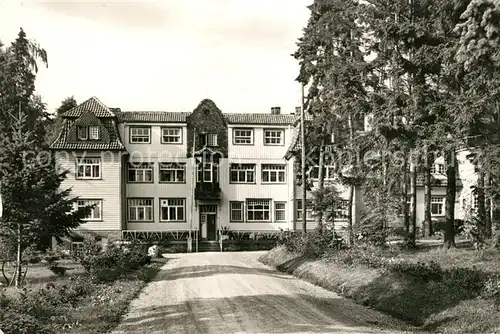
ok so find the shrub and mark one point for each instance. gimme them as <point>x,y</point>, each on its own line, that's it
<point>439,226</point>
<point>21,323</point>
<point>314,244</point>
<point>59,271</point>
<point>115,261</point>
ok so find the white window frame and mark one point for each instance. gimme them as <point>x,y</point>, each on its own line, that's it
<point>342,211</point>
<point>281,210</point>
<point>252,205</point>
<point>241,211</point>
<point>83,202</point>
<point>438,169</point>
<point>175,168</point>
<point>328,175</point>
<point>178,204</point>
<point>140,204</point>
<point>309,210</point>
<point>438,200</point>
<point>274,137</point>
<point>205,167</point>
<point>142,135</point>
<point>241,137</point>
<point>82,133</point>
<point>212,140</point>
<point>93,132</point>
<point>140,169</point>
<point>242,172</point>
<point>173,133</point>
<point>93,164</point>
<point>273,170</point>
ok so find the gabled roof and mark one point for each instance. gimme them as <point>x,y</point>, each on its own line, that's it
<point>94,105</point>
<point>281,119</point>
<point>181,117</point>
<point>295,144</point>
<point>152,116</point>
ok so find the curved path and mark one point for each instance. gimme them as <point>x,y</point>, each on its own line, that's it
<point>234,293</point>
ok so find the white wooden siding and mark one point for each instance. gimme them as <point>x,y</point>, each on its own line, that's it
<point>108,188</point>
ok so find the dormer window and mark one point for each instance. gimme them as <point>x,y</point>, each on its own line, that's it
<point>88,132</point>
<point>93,132</point>
<point>82,133</point>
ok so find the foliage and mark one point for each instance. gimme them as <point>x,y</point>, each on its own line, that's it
<point>115,261</point>
<point>314,244</point>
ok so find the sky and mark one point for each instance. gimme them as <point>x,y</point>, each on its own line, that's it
<point>165,54</point>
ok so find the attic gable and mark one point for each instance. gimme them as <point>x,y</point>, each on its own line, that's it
<point>93,105</point>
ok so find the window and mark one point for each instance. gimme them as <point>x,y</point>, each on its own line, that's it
<point>437,206</point>
<point>88,168</point>
<point>96,213</point>
<point>202,139</point>
<point>242,173</point>
<point>140,135</point>
<point>438,169</point>
<point>258,210</point>
<point>273,173</point>
<point>208,172</point>
<point>140,209</point>
<point>342,211</point>
<point>243,136</point>
<point>279,211</point>
<point>328,172</point>
<point>140,172</point>
<point>173,209</point>
<point>94,132</point>
<point>172,172</point>
<point>274,137</point>
<point>237,211</point>
<point>171,135</point>
<point>309,212</point>
<point>81,133</point>
<point>212,139</point>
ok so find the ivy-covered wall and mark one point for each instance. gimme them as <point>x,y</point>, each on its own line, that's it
<point>208,118</point>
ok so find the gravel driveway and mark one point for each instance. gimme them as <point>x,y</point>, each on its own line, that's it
<point>234,293</point>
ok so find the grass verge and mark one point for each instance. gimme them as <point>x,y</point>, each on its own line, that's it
<point>433,305</point>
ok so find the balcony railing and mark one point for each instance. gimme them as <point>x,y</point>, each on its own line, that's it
<point>207,191</point>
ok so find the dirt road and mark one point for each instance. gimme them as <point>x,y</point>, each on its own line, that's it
<point>234,293</point>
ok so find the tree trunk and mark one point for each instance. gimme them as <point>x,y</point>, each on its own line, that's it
<point>413,202</point>
<point>406,213</point>
<point>17,277</point>
<point>451,188</point>
<point>427,196</point>
<point>496,224</point>
<point>321,184</point>
<point>487,206</point>
<point>350,233</point>
<point>481,207</point>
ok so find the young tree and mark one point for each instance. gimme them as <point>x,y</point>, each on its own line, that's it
<point>34,207</point>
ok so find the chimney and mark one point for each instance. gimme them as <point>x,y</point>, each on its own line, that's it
<point>275,110</point>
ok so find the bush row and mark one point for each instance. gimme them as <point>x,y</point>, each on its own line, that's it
<point>326,245</point>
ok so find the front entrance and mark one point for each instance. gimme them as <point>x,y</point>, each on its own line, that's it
<point>208,222</point>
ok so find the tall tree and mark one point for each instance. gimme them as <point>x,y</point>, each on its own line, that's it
<point>55,122</point>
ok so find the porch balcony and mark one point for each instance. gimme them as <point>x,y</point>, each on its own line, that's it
<point>207,191</point>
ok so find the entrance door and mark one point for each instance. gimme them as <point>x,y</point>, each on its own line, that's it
<point>208,218</point>
<point>211,230</point>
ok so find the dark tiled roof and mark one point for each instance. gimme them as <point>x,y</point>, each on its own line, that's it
<point>94,105</point>
<point>281,119</point>
<point>152,116</point>
<point>181,117</point>
<point>295,145</point>
<point>64,142</point>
